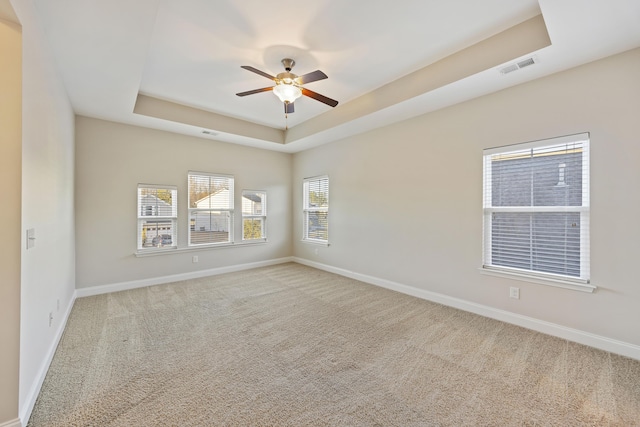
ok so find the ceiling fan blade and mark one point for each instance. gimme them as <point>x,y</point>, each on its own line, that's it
<point>318,97</point>
<point>311,77</point>
<point>288,107</point>
<point>251,92</point>
<point>255,70</point>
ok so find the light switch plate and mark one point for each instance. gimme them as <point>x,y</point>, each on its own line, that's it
<point>31,238</point>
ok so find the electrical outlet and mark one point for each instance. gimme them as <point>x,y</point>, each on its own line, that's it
<point>194,258</point>
<point>514,292</point>
<point>50,318</point>
<point>315,251</point>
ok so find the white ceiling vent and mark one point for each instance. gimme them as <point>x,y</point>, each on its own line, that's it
<point>526,62</point>
<point>519,65</point>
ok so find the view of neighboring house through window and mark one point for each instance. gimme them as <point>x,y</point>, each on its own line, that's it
<point>254,215</point>
<point>536,208</point>
<point>316,209</point>
<point>210,208</point>
<point>157,216</point>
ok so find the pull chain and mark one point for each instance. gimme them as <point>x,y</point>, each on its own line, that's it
<point>286,121</point>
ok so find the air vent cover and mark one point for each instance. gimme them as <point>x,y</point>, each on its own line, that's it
<point>518,65</point>
<point>509,69</point>
<point>526,63</point>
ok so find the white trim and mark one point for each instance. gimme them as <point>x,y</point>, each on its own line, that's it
<point>567,139</point>
<point>134,284</point>
<point>306,209</point>
<point>575,335</point>
<point>263,216</point>
<point>252,241</point>
<point>534,209</point>
<point>159,186</point>
<point>316,242</point>
<point>582,286</point>
<point>316,178</point>
<point>12,423</point>
<point>585,217</point>
<point>142,219</point>
<point>210,174</point>
<point>177,250</point>
<point>230,210</point>
<point>525,151</point>
<point>30,401</point>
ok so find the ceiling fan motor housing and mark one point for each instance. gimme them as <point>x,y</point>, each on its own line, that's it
<point>286,78</point>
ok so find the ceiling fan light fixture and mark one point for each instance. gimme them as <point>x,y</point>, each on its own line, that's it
<point>288,86</point>
<point>287,93</point>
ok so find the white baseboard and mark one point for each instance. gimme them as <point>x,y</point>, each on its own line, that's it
<point>34,390</point>
<point>124,286</point>
<point>575,335</point>
<point>12,423</point>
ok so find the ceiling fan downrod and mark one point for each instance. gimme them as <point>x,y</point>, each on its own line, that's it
<point>288,63</point>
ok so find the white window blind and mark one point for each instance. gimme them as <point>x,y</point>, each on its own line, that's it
<point>210,208</point>
<point>316,209</point>
<point>254,215</point>
<point>536,208</point>
<point>157,216</point>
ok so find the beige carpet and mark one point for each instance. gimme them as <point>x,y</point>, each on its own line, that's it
<point>290,345</point>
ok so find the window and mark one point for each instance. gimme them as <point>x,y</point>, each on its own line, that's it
<point>316,209</point>
<point>157,216</point>
<point>254,215</point>
<point>210,209</point>
<point>536,208</point>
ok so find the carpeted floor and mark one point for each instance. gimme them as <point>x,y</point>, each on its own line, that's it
<point>290,345</point>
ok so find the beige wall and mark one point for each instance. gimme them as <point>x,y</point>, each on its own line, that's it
<point>10,170</point>
<point>112,159</point>
<point>47,270</point>
<point>405,200</point>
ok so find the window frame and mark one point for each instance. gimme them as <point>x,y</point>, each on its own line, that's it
<point>262,217</point>
<point>307,209</point>
<point>142,218</point>
<point>581,282</point>
<point>230,210</point>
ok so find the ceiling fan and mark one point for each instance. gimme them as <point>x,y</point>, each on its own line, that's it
<point>288,86</point>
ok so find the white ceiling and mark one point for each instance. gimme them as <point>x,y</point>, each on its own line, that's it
<point>189,52</point>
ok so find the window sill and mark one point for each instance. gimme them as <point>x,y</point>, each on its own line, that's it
<point>558,283</point>
<point>176,250</point>
<point>315,242</point>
